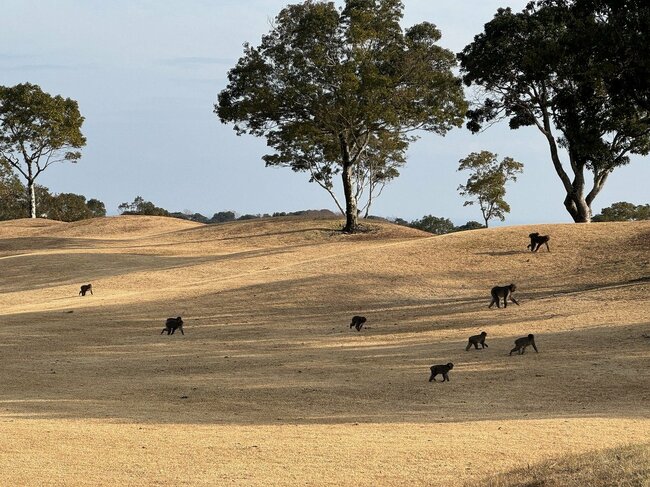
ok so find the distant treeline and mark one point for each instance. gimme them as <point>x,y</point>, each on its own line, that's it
<point>67,207</point>
<point>70,207</point>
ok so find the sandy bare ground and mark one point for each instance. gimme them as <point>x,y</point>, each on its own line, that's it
<point>270,387</point>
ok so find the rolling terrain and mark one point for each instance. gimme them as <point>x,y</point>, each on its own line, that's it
<point>269,386</point>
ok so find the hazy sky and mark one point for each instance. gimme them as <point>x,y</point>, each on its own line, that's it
<point>146,74</point>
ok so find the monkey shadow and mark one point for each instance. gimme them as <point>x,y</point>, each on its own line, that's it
<point>494,253</point>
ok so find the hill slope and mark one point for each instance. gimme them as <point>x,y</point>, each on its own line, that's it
<point>269,385</point>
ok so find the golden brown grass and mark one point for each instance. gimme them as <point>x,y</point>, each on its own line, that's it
<point>270,387</point>
<point>626,466</point>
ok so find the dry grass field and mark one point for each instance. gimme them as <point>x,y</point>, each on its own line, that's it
<point>269,386</point>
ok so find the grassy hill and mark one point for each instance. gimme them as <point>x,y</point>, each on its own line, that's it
<point>270,387</point>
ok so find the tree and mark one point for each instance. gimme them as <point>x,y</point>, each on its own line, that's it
<point>623,212</point>
<point>223,216</point>
<point>36,131</point>
<point>621,27</point>
<point>433,224</point>
<point>12,194</point>
<point>487,182</point>
<point>141,207</point>
<point>340,93</point>
<point>68,207</point>
<point>96,208</point>
<point>557,66</point>
<point>470,225</point>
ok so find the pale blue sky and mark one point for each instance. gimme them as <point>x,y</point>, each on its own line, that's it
<point>146,74</point>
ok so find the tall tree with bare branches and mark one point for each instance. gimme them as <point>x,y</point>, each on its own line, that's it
<point>37,130</point>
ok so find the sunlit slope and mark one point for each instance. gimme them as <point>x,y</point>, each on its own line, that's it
<point>268,358</point>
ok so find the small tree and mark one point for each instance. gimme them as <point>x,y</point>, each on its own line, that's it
<point>141,207</point>
<point>96,208</point>
<point>433,224</point>
<point>623,212</point>
<point>487,182</point>
<point>36,131</point>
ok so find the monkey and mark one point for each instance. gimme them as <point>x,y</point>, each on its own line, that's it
<point>85,288</point>
<point>522,343</point>
<point>171,324</point>
<point>475,340</point>
<point>536,241</point>
<point>357,322</point>
<point>504,292</point>
<point>440,369</point>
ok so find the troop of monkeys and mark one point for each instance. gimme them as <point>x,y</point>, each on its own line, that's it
<point>520,347</point>
<point>497,292</point>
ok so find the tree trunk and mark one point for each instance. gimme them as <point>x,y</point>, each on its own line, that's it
<point>575,203</point>
<point>351,213</point>
<point>31,193</point>
<point>578,208</point>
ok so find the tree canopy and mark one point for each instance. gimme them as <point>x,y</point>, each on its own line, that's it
<point>572,69</point>
<point>36,131</point>
<point>487,182</point>
<point>341,92</point>
<point>139,206</point>
<point>433,224</point>
<point>623,212</point>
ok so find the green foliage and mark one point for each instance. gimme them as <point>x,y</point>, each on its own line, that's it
<point>36,131</point>
<point>14,202</point>
<point>438,225</point>
<point>249,217</point>
<point>188,215</point>
<point>141,207</point>
<point>433,224</point>
<point>623,212</point>
<point>67,207</point>
<point>563,65</point>
<point>470,225</point>
<point>223,216</point>
<point>487,182</point>
<point>401,221</point>
<point>338,93</point>
<point>96,208</point>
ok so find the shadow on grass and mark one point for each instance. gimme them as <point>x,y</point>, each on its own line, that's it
<point>64,269</point>
<point>252,363</point>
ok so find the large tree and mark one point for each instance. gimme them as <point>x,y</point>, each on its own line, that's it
<point>36,131</point>
<point>341,92</point>
<point>569,68</point>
